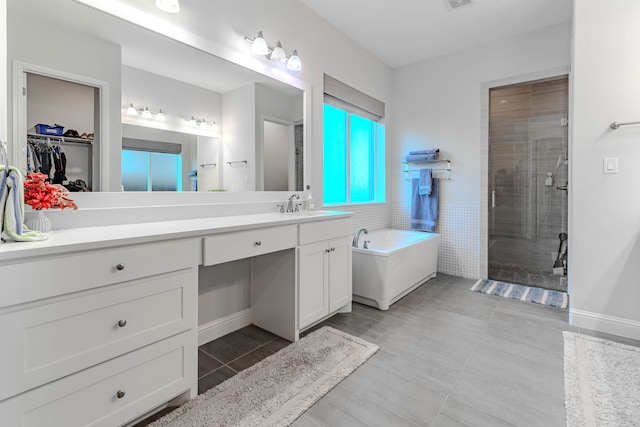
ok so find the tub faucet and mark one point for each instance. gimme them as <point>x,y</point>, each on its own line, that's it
<point>357,236</point>
<point>290,204</point>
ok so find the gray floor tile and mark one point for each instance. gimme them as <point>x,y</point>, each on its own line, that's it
<point>206,363</point>
<point>256,334</point>
<point>277,344</point>
<point>250,359</point>
<point>230,347</point>
<point>214,378</point>
<point>455,413</point>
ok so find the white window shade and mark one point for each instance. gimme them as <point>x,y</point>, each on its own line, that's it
<point>345,97</point>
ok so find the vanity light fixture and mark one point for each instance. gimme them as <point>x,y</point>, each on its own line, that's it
<point>160,116</point>
<point>131,110</point>
<point>214,126</point>
<point>202,124</point>
<point>259,45</point>
<point>169,6</point>
<point>192,122</point>
<point>276,53</point>
<point>294,63</point>
<point>145,113</point>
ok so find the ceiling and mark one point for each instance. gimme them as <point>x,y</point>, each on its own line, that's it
<point>402,32</point>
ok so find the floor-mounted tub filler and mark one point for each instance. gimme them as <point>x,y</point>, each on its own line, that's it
<point>395,263</point>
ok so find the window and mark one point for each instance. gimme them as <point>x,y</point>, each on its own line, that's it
<point>354,158</point>
<point>354,145</point>
<point>151,171</point>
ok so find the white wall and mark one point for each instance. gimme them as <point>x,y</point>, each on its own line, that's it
<point>438,104</point>
<point>239,139</point>
<point>83,56</point>
<point>604,227</point>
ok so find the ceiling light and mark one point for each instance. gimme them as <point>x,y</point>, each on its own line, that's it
<point>146,114</point>
<point>294,63</point>
<point>259,46</point>
<point>169,6</point>
<point>131,110</point>
<point>278,54</point>
<point>160,116</point>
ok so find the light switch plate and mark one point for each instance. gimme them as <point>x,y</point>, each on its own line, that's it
<point>610,165</point>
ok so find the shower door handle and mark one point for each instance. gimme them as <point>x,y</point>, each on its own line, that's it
<point>564,188</point>
<point>493,199</point>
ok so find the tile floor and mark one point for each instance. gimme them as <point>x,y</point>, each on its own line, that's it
<point>448,357</point>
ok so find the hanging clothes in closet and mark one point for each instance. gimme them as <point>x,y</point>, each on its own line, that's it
<point>46,157</point>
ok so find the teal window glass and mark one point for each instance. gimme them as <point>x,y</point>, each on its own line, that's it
<point>335,155</point>
<point>354,158</point>
<point>135,170</point>
<point>151,171</point>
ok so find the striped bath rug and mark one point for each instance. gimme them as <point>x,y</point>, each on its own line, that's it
<point>522,293</point>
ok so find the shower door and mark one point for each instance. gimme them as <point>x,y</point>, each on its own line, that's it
<point>528,173</point>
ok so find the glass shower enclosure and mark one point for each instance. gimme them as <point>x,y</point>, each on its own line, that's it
<point>528,180</point>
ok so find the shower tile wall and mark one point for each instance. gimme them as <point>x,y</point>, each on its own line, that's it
<point>459,228</point>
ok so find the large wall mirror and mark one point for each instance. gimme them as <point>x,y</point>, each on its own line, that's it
<point>142,110</point>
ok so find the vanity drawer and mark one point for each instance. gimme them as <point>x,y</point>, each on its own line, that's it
<point>244,244</point>
<point>324,230</point>
<point>148,377</point>
<point>51,340</point>
<point>61,275</point>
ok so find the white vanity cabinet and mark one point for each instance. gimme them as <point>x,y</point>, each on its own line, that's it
<point>324,270</point>
<point>98,337</point>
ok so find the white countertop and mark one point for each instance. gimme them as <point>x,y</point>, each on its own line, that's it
<point>81,239</point>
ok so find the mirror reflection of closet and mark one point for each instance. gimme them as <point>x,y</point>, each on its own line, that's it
<point>57,102</point>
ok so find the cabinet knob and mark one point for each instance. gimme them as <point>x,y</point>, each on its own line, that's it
<point>120,394</point>
<point>333,249</point>
<point>120,267</point>
<point>258,243</point>
<point>327,250</point>
<point>122,323</point>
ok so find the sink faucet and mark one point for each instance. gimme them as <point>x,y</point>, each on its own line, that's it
<point>357,236</point>
<point>290,204</point>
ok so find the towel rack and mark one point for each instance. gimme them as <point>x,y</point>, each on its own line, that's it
<point>208,164</point>
<point>447,167</point>
<point>616,125</point>
<point>238,161</point>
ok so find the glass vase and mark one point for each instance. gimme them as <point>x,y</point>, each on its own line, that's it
<point>38,221</point>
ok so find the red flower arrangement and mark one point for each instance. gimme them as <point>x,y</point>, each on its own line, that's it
<point>39,194</point>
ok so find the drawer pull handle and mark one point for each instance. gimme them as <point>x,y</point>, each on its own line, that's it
<point>120,267</point>
<point>327,250</point>
<point>122,323</point>
<point>120,394</point>
<point>333,249</point>
<point>258,243</point>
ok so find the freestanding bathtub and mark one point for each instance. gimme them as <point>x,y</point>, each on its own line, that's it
<point>397,262</point>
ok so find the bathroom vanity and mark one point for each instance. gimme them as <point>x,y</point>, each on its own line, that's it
<point>100,324</point>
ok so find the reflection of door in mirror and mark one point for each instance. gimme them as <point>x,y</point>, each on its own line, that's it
<point>279,156</point>
<point>60,122</point>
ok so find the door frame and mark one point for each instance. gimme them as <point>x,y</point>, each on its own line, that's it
<point>484,150</point>
<point>100,156</point>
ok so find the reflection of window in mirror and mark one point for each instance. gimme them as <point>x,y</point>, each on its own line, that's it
<point>151,171</point>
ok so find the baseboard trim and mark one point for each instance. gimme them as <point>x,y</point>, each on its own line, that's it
<point>603,323</point>
<point>220,327</point>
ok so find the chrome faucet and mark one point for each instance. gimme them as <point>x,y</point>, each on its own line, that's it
<point>357,236</point>
<point>290,204</point>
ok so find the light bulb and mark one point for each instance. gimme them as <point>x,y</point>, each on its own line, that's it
<point>294,63</point>
<point>214,126</point>
<point>160,116</point>
<point>259,46</point>
<point>146,114</point>
<point>202,124</point>
<point>131,110</point>
<point>278,54</point>
<point>192,122</point>
<point>169,6</point>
